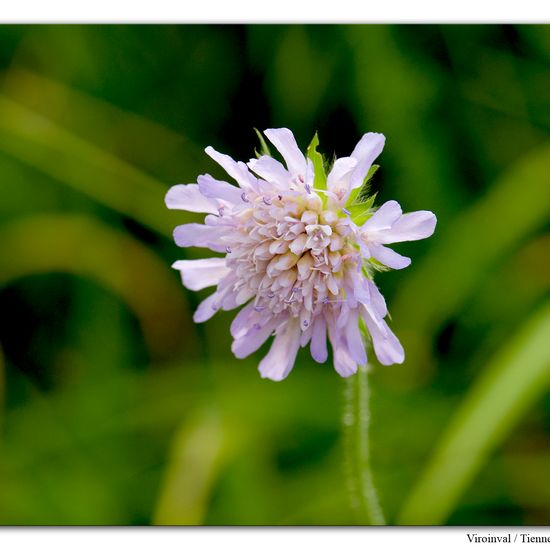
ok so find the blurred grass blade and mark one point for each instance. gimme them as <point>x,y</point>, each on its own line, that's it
<point>199,449</point>
<point>136,139</point>
<point>87,247</point>
<point>2,386</point>
<point>512,382</point>
<point>38,142</point>
<point>516,206</point>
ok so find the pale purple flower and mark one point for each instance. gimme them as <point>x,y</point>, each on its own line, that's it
<point>298,253</point>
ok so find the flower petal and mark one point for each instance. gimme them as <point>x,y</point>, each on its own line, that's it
<point>383,218</point>
<point>389,257</point>
<point>343,361</point>
<point>356,346</point>
<point>271,170</point>
<point>280,359</point>
<point>188,197</point>
<point>199,274</point>
<point>318,347</point>
<point>377,300</point>
<point>284,141</point>
<point>207,308</point>
<point>197,234</point>
<point>387,347</point>
<point>413,226</point>
<point>253,339</point>
<point>237,170</point>
<point>338,180</point>
<point>368,148</point>
<point>215,189</point>
<point>243,321</point>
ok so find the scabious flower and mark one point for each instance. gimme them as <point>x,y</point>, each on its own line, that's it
<point>299,250</point>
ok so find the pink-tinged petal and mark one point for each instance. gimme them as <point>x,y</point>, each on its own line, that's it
<point>383,218</point>
<point>341,172</point>
<point>318,347</point>
<point>344,364</point>
<point>242,322</point>
<point>343,361</point>
<point>197,234</point>
<point>389,257</point>
<point>284,141</point>
<point>387,347</point>
<point>271,170</point>
<point>410,227</point>
<point>207,308</point>
<point>361,291</point>
<point>280,359</point>
<point>377,300</point>
<point>188,197</point>
<point>215,189</point>
<point>368,148</point>
<point>230,301</point>
<point>244,295</point>
<point>356,346</point>
<point>199,274</point>
<point>253,339</point>
<point>237,170</point>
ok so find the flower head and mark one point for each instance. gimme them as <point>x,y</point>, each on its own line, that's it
<point>299,250</point>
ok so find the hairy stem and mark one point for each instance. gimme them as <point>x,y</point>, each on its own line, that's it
<point>356,419</point>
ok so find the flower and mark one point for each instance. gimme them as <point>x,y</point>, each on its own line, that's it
<point>299,252</point>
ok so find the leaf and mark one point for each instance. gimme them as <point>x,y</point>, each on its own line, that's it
<point>264,147</point>
<point>361,194</point>
<point>361,212</point>
<point>470,246</point>
<point>89,248</point>
<point>513,381</point>
<point>320,181</point>
<point>200,449</point>
<point>40,143</point>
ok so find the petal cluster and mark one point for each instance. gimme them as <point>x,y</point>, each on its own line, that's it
<point>294,255</point>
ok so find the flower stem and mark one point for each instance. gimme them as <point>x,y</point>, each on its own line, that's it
<point>356,419</point>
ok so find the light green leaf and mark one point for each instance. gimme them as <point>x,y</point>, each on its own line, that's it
<point>40,143</point>
<point>361,212</point>
<point>318,163</point>
<point>361,194</point>
<point>264,148</point>
<point>199,450</point>
<point>87,247</point>
<point>467,247</point>
<point>513,381</point>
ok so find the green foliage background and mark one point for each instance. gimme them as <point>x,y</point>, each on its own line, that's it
<point>116,409</point>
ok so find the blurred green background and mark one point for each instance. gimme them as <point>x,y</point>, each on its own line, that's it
<point>116,409</point>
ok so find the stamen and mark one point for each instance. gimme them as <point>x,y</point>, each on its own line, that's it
<point>267,201</point>
<point>280,197</point>
<point>308,188</point>
<point>259,308</point>
<point>257,326</point>
<point>301,178</point>
<point>220,211</point>
<point>244,197</point>
<point>346,211</point>
<point>305,323</point>
<point>271,294</point>
<point>228,249</point>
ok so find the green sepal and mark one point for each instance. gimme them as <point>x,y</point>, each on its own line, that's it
<point>264,150</point>
<point>361,194</point>
<point>320,181</point>
<point>362,211</point>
